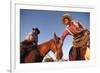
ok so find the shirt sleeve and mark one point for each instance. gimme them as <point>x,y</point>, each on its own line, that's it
<point>28,36</point>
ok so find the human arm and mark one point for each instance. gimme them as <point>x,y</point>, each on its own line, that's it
<point>64,34</point>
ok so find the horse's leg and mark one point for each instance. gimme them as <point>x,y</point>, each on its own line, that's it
<point>82,53</point>
<point>72,54</point>
<point>78,57</point>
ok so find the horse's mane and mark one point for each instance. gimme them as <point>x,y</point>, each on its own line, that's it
<point>46,42</point>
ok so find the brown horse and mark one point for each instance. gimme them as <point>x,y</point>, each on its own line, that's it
<point>79,54</point>
<point>37,55</point>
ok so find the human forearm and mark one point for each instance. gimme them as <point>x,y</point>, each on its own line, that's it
<point>64,34</point>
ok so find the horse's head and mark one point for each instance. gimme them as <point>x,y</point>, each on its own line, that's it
<point>56,47</point>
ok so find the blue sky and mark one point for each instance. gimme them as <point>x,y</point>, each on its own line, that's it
<point>49,22</point>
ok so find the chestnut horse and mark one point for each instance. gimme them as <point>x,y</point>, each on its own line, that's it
<point>83,54</point>
<point>37,55</point>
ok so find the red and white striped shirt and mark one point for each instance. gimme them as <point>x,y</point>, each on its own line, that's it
<point>72,29</point>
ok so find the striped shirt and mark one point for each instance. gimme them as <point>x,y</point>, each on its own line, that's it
<point>72,29</point>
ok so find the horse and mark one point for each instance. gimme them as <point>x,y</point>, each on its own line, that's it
<point>79,54</point>
<point>37,55</point>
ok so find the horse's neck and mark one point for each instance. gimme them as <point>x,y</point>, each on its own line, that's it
<point>44,48</point>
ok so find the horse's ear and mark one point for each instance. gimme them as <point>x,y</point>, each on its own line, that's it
<point>55,36</point>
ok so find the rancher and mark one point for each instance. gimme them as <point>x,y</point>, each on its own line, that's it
<point>30,42</point>
<point>81,37</point>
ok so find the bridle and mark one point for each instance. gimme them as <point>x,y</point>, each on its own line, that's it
<point>55,46</point>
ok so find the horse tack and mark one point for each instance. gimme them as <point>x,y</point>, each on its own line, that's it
<point>47,48</point>
<point>81,39</point>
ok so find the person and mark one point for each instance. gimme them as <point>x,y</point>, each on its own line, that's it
<point>32,37</point>
<point>80,37</point>
<point>30,42</point>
